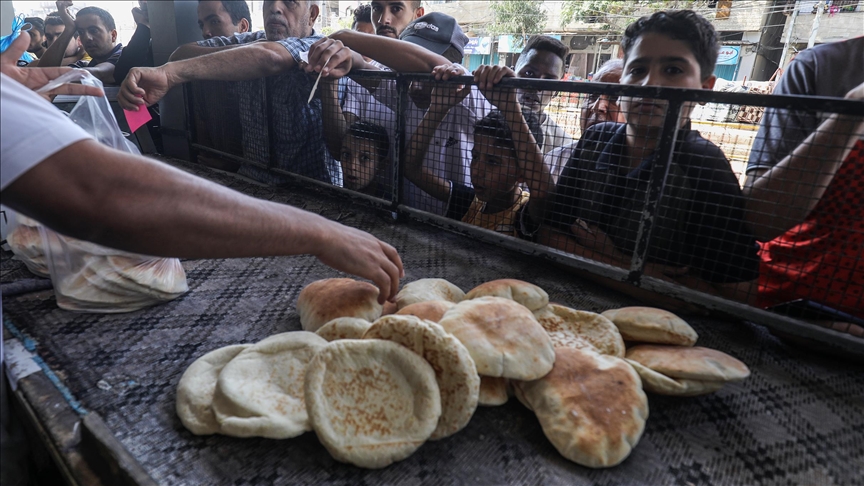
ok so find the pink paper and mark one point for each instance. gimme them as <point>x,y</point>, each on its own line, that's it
<point>136,119</point>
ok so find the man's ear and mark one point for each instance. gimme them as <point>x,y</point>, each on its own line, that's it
<point>113,36</point>
<point>243,26</point>
<point>709,83</point>
<point>419,13</point>
<point>314,11</point>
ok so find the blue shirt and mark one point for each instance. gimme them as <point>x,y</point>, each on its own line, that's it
<point>297,143</point>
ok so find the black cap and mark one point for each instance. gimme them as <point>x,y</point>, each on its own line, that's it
<point>437,32</point>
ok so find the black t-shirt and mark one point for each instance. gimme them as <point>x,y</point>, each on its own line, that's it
<point>700,219</point>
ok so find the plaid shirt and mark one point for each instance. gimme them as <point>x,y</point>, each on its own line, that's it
<point>298,143</point>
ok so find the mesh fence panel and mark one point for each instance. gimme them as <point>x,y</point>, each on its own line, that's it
<point>654,183</point>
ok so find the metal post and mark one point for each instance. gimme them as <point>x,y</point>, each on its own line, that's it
<point>813,30</point>
<point>399,162</point>
<point>656,185</point>
<point>789,35</point>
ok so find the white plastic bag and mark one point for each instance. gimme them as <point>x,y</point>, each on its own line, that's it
<point>92,278</point>
<point>25,241</point>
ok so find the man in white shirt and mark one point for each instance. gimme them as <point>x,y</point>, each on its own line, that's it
<point>54,172</point>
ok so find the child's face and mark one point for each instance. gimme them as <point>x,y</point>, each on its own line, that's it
<point>359,161</point>
<point>658,60</point>
<point>494,171</point>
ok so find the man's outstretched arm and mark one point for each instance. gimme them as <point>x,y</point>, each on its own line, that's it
<point>146,86</point>
<point>132,203</point>
<point>780,197</point>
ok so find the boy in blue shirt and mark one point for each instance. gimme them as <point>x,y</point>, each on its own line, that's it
<point>700,238</point>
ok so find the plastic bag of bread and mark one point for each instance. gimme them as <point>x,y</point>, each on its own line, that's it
<point>91,278</point>
<point>25,241</point>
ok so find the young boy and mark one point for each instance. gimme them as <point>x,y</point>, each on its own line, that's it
<point>506,153</point>
<point>699,231</point>
<point>364,153</point>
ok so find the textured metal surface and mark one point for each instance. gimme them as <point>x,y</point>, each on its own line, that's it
<point>797,420</point>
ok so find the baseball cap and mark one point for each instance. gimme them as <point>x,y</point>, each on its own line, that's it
<point>437,32</point>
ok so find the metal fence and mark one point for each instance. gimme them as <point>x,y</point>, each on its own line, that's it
<point>672,222</point>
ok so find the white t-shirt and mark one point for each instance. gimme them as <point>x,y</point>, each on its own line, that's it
<point>557,159</point>
<point>31,130</point>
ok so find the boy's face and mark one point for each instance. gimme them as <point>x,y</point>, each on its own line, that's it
<point>97,39</point>
<point>536,64</point>
<point>494,171</point>
<point>359,161</point>
<point>658,60</point>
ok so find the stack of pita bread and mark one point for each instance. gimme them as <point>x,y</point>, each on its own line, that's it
<point>92,278</point>
<point>26,243</point>
<point>375,387</point>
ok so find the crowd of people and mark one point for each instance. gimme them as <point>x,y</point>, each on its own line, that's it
<point>493,157</point>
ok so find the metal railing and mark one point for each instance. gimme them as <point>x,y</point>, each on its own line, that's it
<point>635,274</point>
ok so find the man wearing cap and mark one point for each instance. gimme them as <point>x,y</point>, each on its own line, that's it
<point>449,155</point>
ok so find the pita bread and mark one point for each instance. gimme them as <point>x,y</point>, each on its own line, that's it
<point>650,325</point>
<point>493,391</point>
<point>579,329</point>
<point>661,384</point>
<point>371,402</point>
<point>517,392</point>
<point>454,369</point>
<point>696,363</point>
<point>344,328</point>
<point>431,310</point>
<point>196,387</point>
<point>260,392</point>
<point>154,276</point>
<point>322,301</point>
<point>527,294</point>
<point>26,244</point>
<point>428,289</point>
<point>389,308</point>
<point>591,406</point>
<point>503,337</point>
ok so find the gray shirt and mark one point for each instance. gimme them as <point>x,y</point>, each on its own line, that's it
<point>825,70</point>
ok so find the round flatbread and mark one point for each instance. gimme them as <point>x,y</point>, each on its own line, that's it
<point>431,310</point>
<point>371,402</point>
<point>493,391</point>
<point>260,392</point>
<point>591,407</point>
<point>503,337</point>
<point>650,325</point>
<point>527,294</point>
<point>344,328</point>
<point>579,329</point>
<point>661,384</point>
<point>454,369</point>
<point>194,404</point>
<point>428,289</point>
<point>696,363</point>
<point>324,300</point>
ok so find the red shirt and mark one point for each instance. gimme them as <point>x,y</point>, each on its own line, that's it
<point>822,259</point>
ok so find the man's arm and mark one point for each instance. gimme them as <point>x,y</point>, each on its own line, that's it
<point>192,50</point>
<point>54,55</point>
<point>132,203</point>
<point>400,56</point>
<point>443,99</point>
<point>780,197</point>
<point>135,53</point>
<point>103,72</point>
<point>146,86</point>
